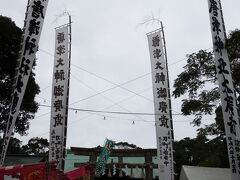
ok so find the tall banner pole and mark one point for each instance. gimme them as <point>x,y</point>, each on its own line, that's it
<point>226,90</point>
<point>223,23</point>
<point>169,92</point>
<point>68,86</point>
<point>33,24</point>
<point>18,62</point>
<point>60,93</point>
<point>162,104</point>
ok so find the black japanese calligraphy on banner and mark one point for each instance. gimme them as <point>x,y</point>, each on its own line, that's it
<point>32,30</point>
<point>59,96</point>
<point>162,106</point>
<point>228,99</point>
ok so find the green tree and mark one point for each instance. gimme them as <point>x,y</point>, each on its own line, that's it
<point>125,145</point>
<point>10,37</point>
<point>36,146</point>
<point>199,82</point>
<point>14,147</point>
<point>200,151</point>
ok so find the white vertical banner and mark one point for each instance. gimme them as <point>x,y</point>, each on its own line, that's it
<point>59,97</point>
<point>228,98</point>
<point>31,34</point>
<point>162,106</point>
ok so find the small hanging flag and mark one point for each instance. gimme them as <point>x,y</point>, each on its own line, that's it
<point>103,158</point>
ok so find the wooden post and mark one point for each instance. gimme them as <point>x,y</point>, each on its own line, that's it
<point>93,159</point>
<point>67,101</point>
<point>120,159</point>
<point>149,171</point>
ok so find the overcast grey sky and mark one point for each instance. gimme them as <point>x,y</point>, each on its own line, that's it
<point>107,41</point>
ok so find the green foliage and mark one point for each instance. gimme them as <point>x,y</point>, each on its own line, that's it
<point>199,82</point>
<point>10,37</point>
<point>216,128</point>
<point>123,145</point>
<point>14,147</point>
<point>199,66</point>
<point>200,151</point>
<point>36,146</point>
<point>126,145</point>
<point>233,45</point>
